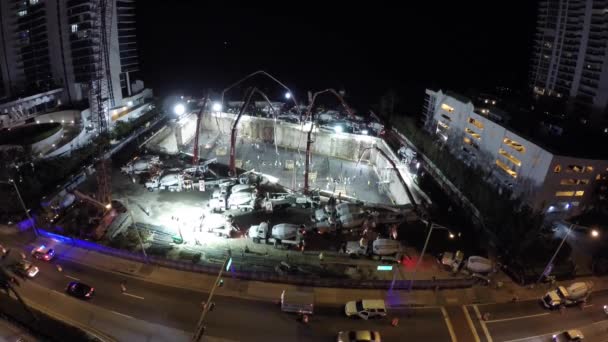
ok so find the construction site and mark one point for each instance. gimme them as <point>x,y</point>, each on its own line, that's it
<point>283,195</point>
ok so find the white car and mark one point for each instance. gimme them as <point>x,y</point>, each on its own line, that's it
<point>26,268</point>
<point>569,336</point>
<point>359,336</point>
<point>366,308</point>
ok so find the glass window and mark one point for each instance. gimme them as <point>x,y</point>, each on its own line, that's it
<point>74,28</point>
<point>557,169</point>
<point>579,193</point>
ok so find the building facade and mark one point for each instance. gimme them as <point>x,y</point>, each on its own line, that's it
<point>50,45</point>
<point>479,135</point>
<point>570,54</point>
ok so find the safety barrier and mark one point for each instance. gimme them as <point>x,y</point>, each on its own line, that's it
<point>308,280</point>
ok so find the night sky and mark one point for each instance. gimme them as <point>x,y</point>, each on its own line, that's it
<point>364,47</point>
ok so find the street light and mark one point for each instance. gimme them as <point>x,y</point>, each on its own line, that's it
<point>27,212</point>
<point>428,237</point>
<point>288,95</point>
<point>594,234</point>
<point>217,107</point>
<point>179,109</point>
<point>338,129</point>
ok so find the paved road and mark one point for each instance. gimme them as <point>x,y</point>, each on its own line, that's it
<point>525,319</point>
<point>232,319</point>
<point>176,311</point>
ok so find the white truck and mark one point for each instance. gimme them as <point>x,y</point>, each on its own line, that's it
<point>170,181</point>
<point>217,224</point>
<point>385,249</point>
<point>280,234</point>
<point>244,201</point>
<point>141,164</point>
<point>574,294</point>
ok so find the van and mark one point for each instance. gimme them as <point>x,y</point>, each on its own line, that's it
<point>366,308</point>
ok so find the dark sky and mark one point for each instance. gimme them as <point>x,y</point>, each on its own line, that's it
<point>365,47</point>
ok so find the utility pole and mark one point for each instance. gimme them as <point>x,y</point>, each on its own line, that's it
<point>141,242</point>
<point>27,213</point>
<point>200,327</point>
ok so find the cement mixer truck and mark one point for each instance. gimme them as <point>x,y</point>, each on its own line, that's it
<point>574,294</point>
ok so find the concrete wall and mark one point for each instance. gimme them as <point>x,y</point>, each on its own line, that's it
<point>327,143</point>
<point>47,144</point>
<point>64,116</point>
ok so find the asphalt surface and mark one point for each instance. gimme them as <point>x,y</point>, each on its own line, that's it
<point>232,319</point>
<point>177,310</point>
<point>530,321</point>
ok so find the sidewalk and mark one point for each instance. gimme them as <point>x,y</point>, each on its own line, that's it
<point>271,292</point>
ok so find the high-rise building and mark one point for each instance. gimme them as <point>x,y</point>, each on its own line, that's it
<point>50,51</point>
<point>570,54</point>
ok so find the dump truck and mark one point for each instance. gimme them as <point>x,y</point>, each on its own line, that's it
<point>574,294</point>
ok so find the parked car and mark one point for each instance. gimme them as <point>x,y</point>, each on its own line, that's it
<point>359,336</point>
<point>80,290</point>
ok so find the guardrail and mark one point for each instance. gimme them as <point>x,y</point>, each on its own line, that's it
<point>308,280</point>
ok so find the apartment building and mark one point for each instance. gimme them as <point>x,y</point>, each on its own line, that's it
<point>568,61</point>
<point>50,52</point>
<point>478,133</point>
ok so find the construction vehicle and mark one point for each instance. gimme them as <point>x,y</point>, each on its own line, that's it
<point>172,181</point>
<point>574,294</point>
<point>281,234</point>
<point>273,201</point>
<point>141,165</point>
<point>244,201</point>
<point>217,224</point>
<point>384,249</point>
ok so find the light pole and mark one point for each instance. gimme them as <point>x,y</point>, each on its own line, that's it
<point>141,242</point>
<point>27,213</point>
<point>428,237</point>
<point>179,109</point>
<point>594,234</point>
<point>200,328</point>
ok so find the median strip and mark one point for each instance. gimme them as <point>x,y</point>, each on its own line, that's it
<point>132,295</point>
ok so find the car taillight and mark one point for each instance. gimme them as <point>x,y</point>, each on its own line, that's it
<point>47,257</point>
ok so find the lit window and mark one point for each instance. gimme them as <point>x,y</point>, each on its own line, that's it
<point>33,2</point>
<point>443,124</point>
<point>511,158</point>
<point>476,123</point>
<point>74,28</point>
<point>576,168</point>
<point>467,140</point>
<point>598,177</point>
<point>572,181</point>
<point>589,169</point>
<point>506,168</point>
<point>514,145</point>
<point>447,108</point>
<point>557,169</point>
<point>493,102</point>
<point>579,193</point>
<point>564,194</point>
<point>473,133</point>
<point>22,13</point>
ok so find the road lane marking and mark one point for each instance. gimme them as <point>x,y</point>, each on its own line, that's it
<point>132,295</point>
<point>470,322</point>
<point>518,317</point>
<point>72,277</point>
<point>118,313</point>
<point>446,317</point>
<point>63,294</point>
<point>483,324</point>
